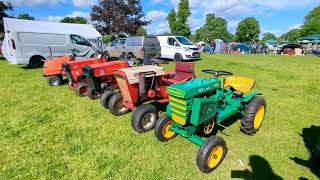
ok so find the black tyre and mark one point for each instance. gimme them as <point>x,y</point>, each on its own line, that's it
<point>104,100</point>
<point>178,57</point>
<point>55,80</point>
<point>253,115</point>
<point>82,89</point>
<point>211,154</point>
<point>70,85</point>
<point>162,129</point>
<point>144,118</point>
<point>36,62</point>
<point>92,94</point>
<point>116,106</point>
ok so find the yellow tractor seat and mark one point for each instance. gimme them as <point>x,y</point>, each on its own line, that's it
<point>238,83</point>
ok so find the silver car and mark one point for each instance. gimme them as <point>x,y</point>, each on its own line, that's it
<point>139,47</point>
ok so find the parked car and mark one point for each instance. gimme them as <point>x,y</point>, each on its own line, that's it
<point>292,49</point>
<point>178,48</point>
<point>31,42</point>
<point>139,47</point>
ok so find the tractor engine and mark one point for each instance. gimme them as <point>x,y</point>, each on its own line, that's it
<point>191,102</point>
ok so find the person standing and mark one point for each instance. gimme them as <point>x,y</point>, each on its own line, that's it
<point>212,47</point>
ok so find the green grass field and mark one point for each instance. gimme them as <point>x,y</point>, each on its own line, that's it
<point>50,133</point>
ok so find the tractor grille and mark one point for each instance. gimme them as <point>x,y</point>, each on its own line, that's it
<point>179,110</point>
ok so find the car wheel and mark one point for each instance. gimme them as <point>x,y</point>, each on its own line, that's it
<point>178,57</point>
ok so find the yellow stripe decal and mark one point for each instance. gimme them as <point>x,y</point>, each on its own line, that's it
<point>177,100</point>
<point>178,119</point>
<point>178,112</point>
<point>177,106</point>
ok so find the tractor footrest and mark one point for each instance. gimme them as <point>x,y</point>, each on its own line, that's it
<point>188,133</point>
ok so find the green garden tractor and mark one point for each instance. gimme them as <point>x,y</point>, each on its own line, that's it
<point>197,106</point>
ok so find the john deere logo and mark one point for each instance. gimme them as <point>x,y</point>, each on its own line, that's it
<point>176,92</point>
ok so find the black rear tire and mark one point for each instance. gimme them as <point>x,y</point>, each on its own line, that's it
<point>162,131</point>
<point>178,57</point>
<point>82,89</point>
<point>115,105</point>
<point>211,154</point>
<point>249,124</point>
<point>55,80</point>
<point>144,118</point>
<point>104,100</point>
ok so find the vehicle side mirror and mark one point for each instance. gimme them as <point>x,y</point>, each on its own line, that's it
<point>176,44</point>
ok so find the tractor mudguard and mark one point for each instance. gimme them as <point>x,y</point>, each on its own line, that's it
<point>248,98</point>
<point>168,110</point>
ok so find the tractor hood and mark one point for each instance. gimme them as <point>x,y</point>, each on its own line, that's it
<point>190,89</point>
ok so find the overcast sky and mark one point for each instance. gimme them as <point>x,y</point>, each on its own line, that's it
<point>276,16</point>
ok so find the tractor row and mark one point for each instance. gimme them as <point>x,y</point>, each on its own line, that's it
<point>194,106</point>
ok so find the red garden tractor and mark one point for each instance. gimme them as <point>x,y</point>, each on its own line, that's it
<point>73,71</point>
<point>139,85</point>
<point>100,77</point>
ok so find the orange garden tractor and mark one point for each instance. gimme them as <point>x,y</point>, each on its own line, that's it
<point>139,85</point>
<point>100,77</point>
<point>73,70</point>
<point>52,68</point>
<point>196,107</point>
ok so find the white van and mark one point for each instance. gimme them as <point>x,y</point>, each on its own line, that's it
<point>178,48</point>
<point>30,42</point>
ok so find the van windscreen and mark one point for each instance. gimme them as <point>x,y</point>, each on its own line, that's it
<point>184,40</point>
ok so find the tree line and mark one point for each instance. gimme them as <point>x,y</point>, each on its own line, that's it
<point>117,17</point>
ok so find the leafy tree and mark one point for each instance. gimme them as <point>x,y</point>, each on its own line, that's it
<point>76,20</point>
<point>248,30</point>
<point>172,18</point>
<point>292,35</point>
<point>142,32</point>
<point>268,36</point>
<point>118,16</point>
<point>311,23</point>
<point>108,38</point>
<point>178,21</point>
<point>214,28</point>
<point>4,7</point>
<point>26,17</point>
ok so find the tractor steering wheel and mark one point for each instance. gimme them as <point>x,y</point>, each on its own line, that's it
<point>217,73</point>
<point>158,62</point>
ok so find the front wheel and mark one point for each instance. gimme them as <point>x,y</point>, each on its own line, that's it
<point>55,80</point>
<point>82,89</point>
<point>144,118</point>
<point>211,154</point>
<point>104,100</point>
<point>162,129</point>
<point>116,106</point>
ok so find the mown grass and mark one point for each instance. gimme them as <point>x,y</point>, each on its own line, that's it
<point>50,133</point>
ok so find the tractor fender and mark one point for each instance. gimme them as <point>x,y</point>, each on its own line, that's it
<point>168,110</point>
<point>248,98</point>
